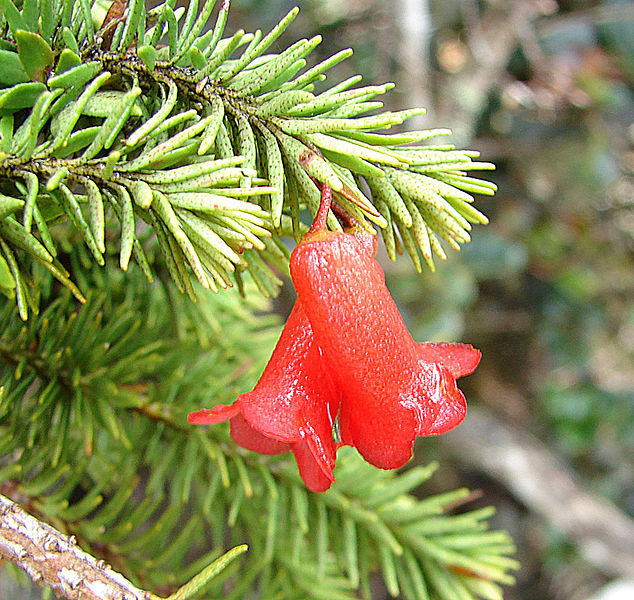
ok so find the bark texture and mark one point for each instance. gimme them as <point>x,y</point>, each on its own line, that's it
<point>55,560</point>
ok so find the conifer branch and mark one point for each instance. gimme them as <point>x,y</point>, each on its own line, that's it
<point>106,129</point>
<point>185,157</point>
<point>95,437</point>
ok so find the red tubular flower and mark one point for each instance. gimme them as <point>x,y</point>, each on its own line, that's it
<point>292,407</point>
<point>392,388</point>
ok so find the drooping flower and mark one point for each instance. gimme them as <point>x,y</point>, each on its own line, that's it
<point>346,350</point>
<point>292,407</point>
<point>392,389</point>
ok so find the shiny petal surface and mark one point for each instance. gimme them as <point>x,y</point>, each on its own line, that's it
<point>292,407</point>
<point>295,395</point>
<point>390,394</point>
<point>211,416</point>
<point>459,359</point>
<point>310,470</point>
<point>245,436</point>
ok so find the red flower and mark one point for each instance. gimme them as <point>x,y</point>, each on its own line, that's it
<point>346,349</point>
<point>292,407</point>
<point>392,388</point>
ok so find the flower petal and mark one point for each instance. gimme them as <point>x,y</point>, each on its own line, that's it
<point>294,404</point>
<point>245,436</point>
<point>310,470</point>
<point>382,431</point>
<point>210,416</point>
<point>436,399</point>
<point>295,391</point>
<point>296,398</point>
<point>459,359</point>
<point>390,394</point>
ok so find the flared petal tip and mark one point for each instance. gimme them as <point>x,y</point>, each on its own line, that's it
<point>459,359</point>
<point>316,476</point>
<point>389,452</point>
<point>322,484</point>
<point>389,463</point>
<point>250,439</point>
<point>211,416</point>
<point>451,415</point>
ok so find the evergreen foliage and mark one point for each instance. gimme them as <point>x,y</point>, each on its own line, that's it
<point>142,145</point>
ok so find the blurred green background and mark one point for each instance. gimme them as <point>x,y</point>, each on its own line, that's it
<point>544,90</point>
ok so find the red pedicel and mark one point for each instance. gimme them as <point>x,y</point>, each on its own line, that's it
<point>392,388</point>
<point>292,407</point>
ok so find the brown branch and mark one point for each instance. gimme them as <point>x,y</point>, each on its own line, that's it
<point>53,559</point>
